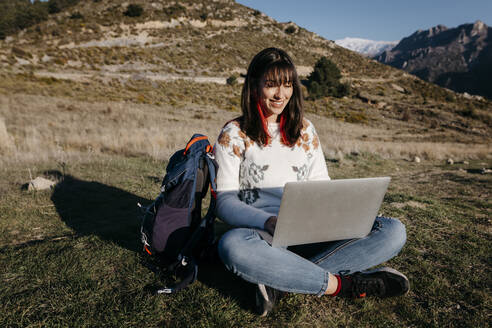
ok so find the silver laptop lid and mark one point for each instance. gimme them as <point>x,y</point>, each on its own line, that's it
<point>319,211</point>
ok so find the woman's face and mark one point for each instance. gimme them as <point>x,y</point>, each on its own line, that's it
<point>274,96</point>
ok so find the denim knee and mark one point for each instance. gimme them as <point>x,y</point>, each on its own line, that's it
<point>395,232</point>
<point>232,246</point>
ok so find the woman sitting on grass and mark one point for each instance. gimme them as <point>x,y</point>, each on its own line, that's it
<point>271,144</point>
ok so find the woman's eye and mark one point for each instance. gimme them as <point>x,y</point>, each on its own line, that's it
<point>288,84</point>
<point>270,84</point>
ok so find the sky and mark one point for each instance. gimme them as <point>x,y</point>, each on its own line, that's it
<point>380,20</point>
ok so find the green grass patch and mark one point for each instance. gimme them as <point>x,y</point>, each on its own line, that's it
<point>71,256</point>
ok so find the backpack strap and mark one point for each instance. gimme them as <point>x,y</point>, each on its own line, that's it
<point>212,171</point>
<point>210,215</point>
<point>189,275</point>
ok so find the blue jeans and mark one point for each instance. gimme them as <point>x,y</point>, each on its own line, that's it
<point>304,269</point>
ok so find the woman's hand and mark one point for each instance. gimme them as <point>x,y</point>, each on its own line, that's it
<point>270,224</point>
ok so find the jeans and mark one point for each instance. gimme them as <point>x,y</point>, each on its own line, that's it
<point>305,269</point>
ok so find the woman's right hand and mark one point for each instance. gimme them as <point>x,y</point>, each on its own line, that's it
<point>270,224</point>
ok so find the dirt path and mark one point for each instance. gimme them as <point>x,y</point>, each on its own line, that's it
<point>87,77</point>
<point>380,80</point>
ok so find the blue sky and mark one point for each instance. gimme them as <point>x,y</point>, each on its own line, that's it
<point>387,20</point>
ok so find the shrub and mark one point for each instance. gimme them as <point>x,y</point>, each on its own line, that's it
<point>21,53</point>
<point>16,15</point>
<point>343,89</point>
<point>133,10</point>
<point>450,97</point>
<point>76,15</point>
<point>290,29</point>
<point>53,7</point>
<point>231,80</point>
<point>468,112</point>
<point>406,115</point>
<point>175,10</point>
<point>324,80</point>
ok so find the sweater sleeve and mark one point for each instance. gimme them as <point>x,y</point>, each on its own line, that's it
<point>229,153</point>
<point>317,167</point>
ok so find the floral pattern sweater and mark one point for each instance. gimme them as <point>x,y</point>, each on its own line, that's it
<point>251,178</point>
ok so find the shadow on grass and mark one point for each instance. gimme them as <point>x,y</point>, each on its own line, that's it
<point>214,274</point>
<point>93,208</point>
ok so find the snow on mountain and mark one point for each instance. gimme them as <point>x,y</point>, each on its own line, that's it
<point>366,47</point>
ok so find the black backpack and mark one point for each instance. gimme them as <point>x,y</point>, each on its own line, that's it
<point>173,230</point>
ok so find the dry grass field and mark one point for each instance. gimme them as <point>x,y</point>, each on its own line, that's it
<point>43,119</point>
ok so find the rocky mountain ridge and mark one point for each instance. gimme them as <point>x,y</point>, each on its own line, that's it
<point>457,58</point>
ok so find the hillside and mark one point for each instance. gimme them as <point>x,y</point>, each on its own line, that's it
<point>458,58</point>
<point>176,57</point>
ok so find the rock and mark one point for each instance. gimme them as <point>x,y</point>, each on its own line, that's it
<point>466,95</point>
<point>367,98</point>
<point>416,159</point>
<point>381,105</point>
<point>450,161</point>
<point>485,171</point>
<point>40,184</point>
<point>397,88</point>
<point>466,162</point>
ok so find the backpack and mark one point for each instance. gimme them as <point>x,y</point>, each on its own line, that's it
<point>173,230</point>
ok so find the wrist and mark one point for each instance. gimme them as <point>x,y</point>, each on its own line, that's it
<point>270,224</point>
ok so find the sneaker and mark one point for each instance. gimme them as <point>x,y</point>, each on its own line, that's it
<point>381,282</point>
<point>266,298</point>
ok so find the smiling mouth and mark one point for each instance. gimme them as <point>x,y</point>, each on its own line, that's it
<point>277,103</point>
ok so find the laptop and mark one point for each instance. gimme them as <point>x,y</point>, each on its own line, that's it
<point>327,210</point>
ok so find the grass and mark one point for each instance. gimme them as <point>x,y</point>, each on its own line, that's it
<point>71,256</point>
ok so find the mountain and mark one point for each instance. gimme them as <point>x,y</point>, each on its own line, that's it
<point>366,47</point>
<point>456,58</point>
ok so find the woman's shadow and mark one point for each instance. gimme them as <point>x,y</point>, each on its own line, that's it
<point>93,208</point>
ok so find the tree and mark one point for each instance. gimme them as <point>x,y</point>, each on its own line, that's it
<point>16,15</point>
<point>324,80</point>
<point>133,10</point>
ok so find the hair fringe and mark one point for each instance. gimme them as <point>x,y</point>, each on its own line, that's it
<point>275,63</point>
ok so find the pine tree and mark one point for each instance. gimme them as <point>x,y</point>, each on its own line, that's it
<point>324,80</point>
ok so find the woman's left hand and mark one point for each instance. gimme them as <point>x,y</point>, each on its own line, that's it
<point>270,224</point>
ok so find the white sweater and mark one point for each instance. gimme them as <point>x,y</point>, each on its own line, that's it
<point>251,178</point>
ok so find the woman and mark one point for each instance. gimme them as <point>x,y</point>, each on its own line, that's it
<point>269,145</point>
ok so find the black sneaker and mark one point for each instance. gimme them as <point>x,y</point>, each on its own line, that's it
<point>381,282</point>
<point>266,298</point>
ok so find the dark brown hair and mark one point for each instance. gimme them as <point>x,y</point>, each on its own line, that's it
<point>277,65</point>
